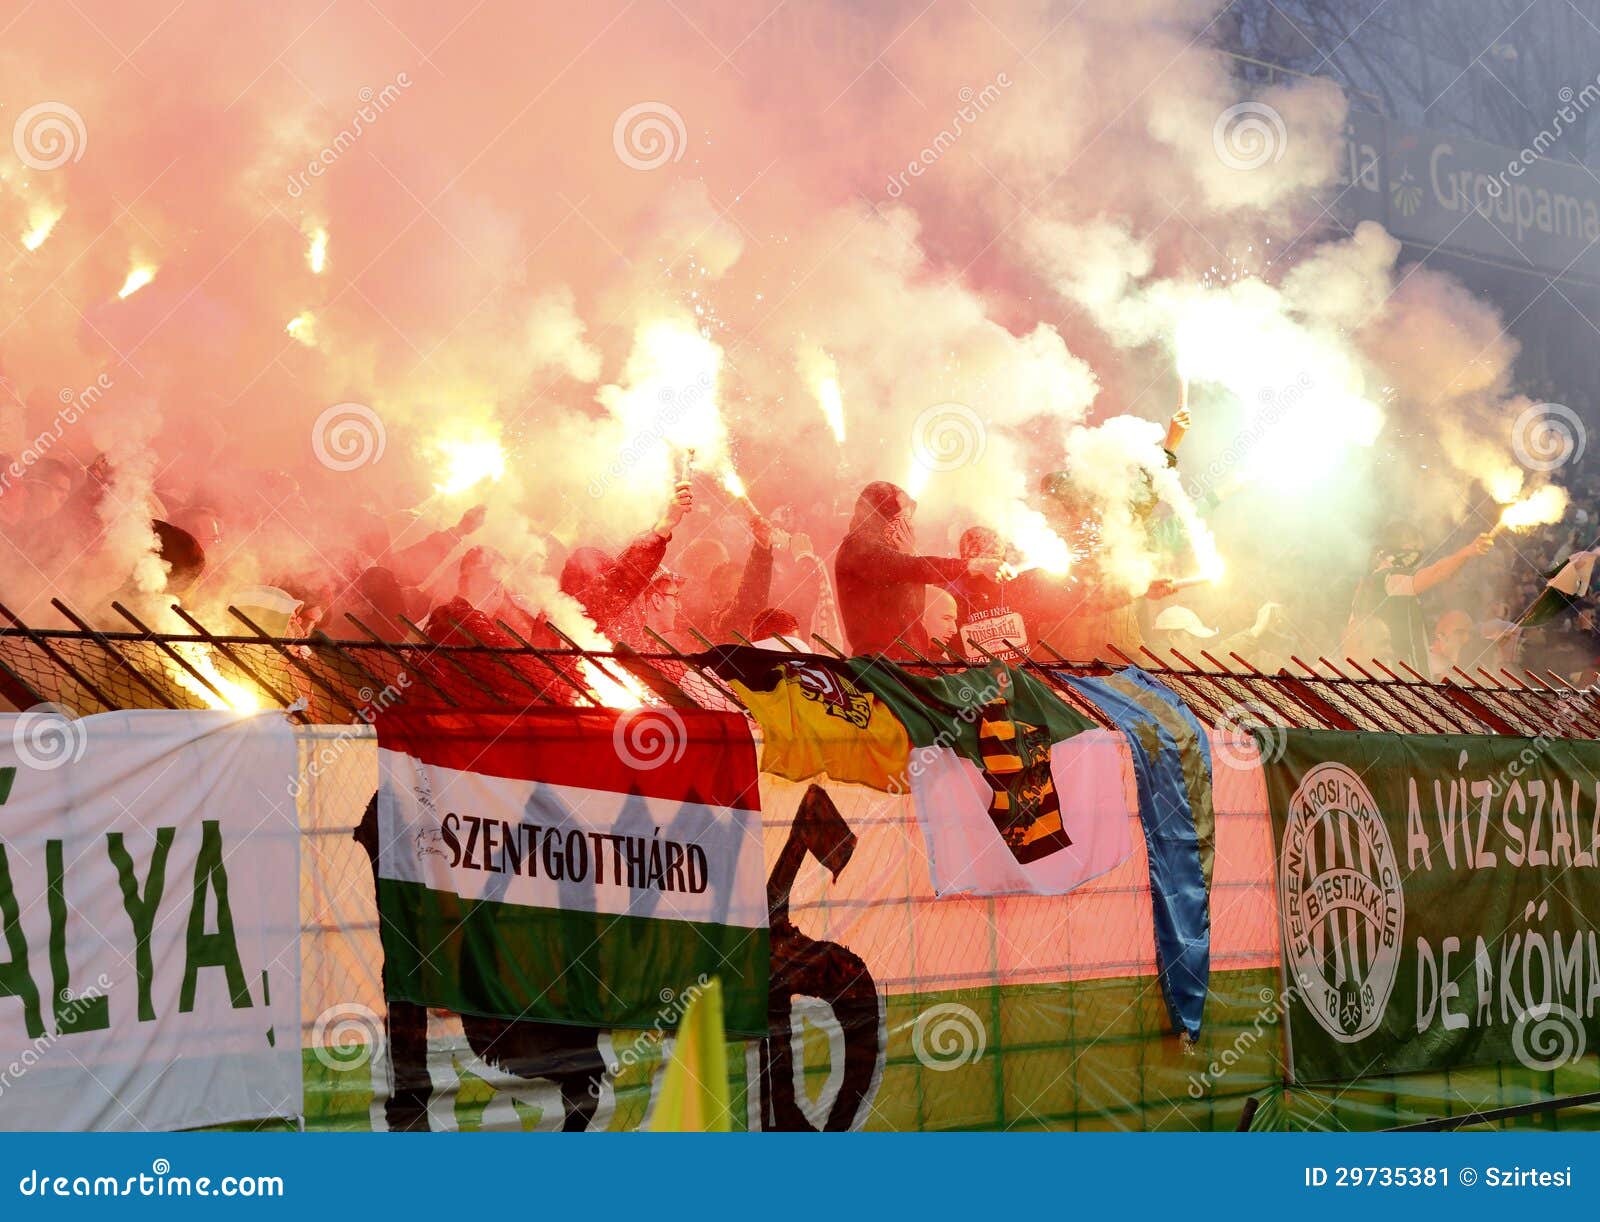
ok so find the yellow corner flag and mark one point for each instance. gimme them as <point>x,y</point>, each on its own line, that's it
<point>694,1093</point>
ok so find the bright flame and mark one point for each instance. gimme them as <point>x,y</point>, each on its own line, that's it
<point>623,692</point>
<point>303,327</point>
<point>667,401</point>
<point>468,461</point>
<point>1306,397</point>
<point>141,275</point>
<point>917,476</point>
<point>733,485</point>
<point>1504,484</point>
<point>822,376</point>
<point>1204,545</point>
<point>1038,547</point>
<point>317,252</point>
<point>832,403</point>
<point>41,220</point>
<point>1540,507</point>
<point>235,697</point>
<point>627,693</point>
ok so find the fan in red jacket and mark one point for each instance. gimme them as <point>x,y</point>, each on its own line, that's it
<point>880,580</point>
<point>607,589</point>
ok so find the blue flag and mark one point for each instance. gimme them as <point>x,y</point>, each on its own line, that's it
<point>1172,765</point>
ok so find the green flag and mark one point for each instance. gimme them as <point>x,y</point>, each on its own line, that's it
<point>1565,586</point>
<point>1016,791</point>
<point>1436,895</point>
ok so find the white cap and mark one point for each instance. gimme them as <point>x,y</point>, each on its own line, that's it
<point>1181,619</point>
<point>268,606</point>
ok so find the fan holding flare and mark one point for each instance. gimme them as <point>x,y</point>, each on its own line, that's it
<point>1386,619</point>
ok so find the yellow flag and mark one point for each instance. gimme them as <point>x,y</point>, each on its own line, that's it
<point>816,718</point>
<point>694,1093</point>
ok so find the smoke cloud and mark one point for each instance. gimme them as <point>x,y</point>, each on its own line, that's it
<point>595,237</point>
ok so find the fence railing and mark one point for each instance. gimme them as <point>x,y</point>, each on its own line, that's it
<point>324,680</point>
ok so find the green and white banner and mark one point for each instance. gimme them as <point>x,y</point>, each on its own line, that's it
<point>149,920</point>
<point>1438,898</point>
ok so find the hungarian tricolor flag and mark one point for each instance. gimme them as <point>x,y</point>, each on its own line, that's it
<point>583,866</point>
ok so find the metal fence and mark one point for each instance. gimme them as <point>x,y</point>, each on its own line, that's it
<point>327,681</point>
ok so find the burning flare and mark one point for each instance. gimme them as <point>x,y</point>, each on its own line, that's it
<point>734,487</point>
<point>317,252</point>
<point>467,461</point>
<point>822,376</point>
<point>626,693</point>
<point>141,275</point>
<point>1306,397</point>
<point>917,476</point>
<point>1038,547</point>
<point>667,402</point>
<point>1540,507</point>
<point>235,697</point>
<point>41,220</point>
<point>1504,484</point>
<point>623,692</point>
<point>303,327</point>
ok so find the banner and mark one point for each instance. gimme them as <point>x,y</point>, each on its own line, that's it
<point>1437,899</point>
<point>1016,791</point>
<point>892,1008</point>
<point>1441,190</point>
<point>149,920</point>
<point>573,866</point>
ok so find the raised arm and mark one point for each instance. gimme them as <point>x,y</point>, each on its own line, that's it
<point>1441,571</point>
<point>632,570</point>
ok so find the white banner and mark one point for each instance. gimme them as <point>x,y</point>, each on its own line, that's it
<point>149,921</point>
<point>590,850</point>
<point>1093,774</point>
